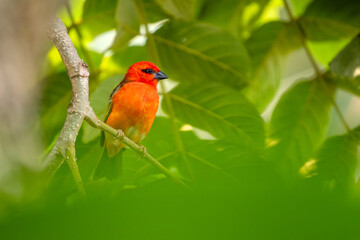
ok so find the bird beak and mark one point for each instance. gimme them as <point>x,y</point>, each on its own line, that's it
<point>160,75</point>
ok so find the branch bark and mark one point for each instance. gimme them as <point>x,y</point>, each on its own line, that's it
<point>79,110</point>
<point>78,72</point>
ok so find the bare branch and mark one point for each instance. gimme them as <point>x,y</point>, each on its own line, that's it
<point>78,72</point>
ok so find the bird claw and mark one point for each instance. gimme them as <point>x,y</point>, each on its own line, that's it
<point>142,152</point>
<point>120,134</point>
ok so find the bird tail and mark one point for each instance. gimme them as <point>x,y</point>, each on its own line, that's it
<point>110,168</point>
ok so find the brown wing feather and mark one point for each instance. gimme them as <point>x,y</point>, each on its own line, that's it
<point>109,108</point>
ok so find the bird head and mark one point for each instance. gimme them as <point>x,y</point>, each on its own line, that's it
<point>145,72</point>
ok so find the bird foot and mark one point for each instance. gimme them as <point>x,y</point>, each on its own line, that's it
<point>142,152</point>
<point>120,134</point>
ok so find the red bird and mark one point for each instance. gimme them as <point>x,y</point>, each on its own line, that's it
<point>132,108</point>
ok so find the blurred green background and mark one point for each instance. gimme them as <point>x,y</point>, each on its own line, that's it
<point>260,117</point>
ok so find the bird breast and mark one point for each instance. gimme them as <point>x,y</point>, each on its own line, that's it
<point>134,109</point>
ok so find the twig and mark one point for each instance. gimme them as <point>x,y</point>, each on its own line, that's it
<point>80,109</point>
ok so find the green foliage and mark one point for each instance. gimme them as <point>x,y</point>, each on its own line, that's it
<point>323,20</point>
<point>298,124</point>
<point>268,45</point>
<point>127,21</point>
<point>211,54</point>
<point>337,160</point>
<point>233,65</point>
<point>238,17</point>
<point>345,67</point>
<point>98,17</point>
<point>185,10</point>
<point>206,106</point>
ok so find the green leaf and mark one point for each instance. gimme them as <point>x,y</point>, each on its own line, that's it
<point>154,12</point>
<point>128,20</point>
<point>239,17</point>
<point>128,23</point>
<point>346,67</point>
<point>98,17</point>
<point>348,60</point>
<point>199,52</point>
<point>99,101</point>
<point>325,51</point>
<point>208,158</point>
<point>326,30</point>
<point>221,159</point>
<point>54,102</point>
<point>337,160</point>
<point>329,20</point>
<point>268,47</point>
<point>123,59</point>
<point>298,124</point>
<point>224,113</point>
<point>299,6</point>
<point>185,10</point>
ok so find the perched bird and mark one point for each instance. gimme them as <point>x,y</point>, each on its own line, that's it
<point>132,108</point>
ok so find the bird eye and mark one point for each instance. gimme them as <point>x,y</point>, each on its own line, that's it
<point>148,70</point>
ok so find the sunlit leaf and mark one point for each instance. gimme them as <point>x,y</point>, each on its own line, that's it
<point>325,51</point>
<point>128,23</point>
<point>299,6</point>
<point>224,113</point>
<point>98,17</point>
<point>239,17</point>
<point>198,52</point>
<point>185,9</point>
<point>298,124</point>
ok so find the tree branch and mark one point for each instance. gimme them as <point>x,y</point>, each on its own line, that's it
<point>79,110</point>
<point>64,147</point>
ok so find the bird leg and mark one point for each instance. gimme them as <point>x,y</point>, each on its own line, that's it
<point>120,134</point>
<point>142,152</point>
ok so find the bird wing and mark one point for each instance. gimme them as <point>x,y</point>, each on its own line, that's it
<point>109,108</point>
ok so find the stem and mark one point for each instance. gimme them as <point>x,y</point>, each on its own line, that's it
<point>313,63</point>
<point>155,56</point>
<point>303,37</point>
<point>71,160</point>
